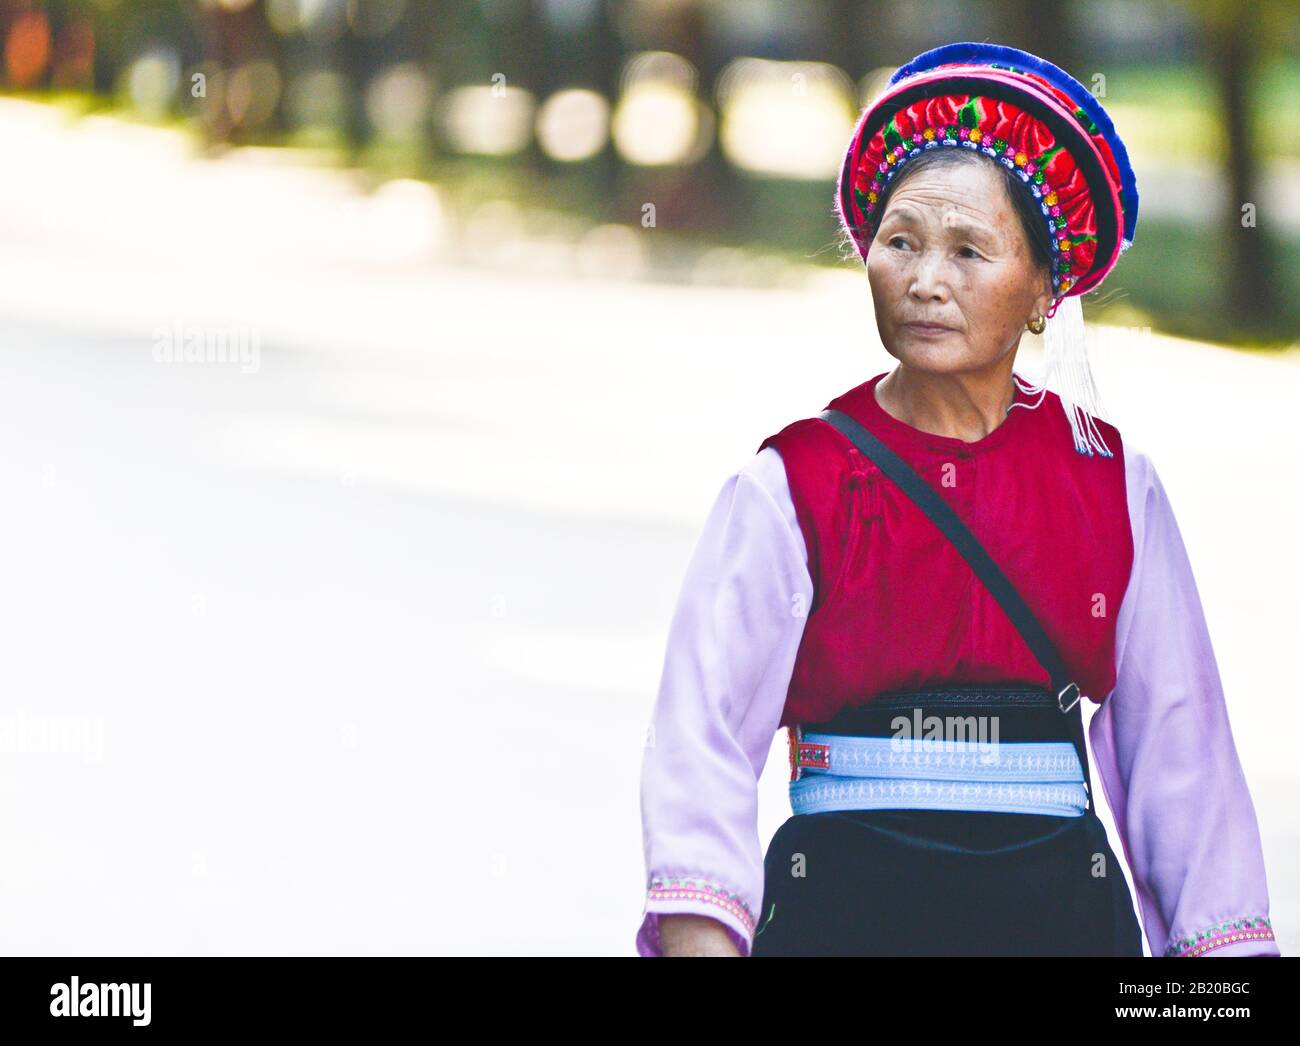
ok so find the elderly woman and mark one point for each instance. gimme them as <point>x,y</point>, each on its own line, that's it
<point>924,549</point>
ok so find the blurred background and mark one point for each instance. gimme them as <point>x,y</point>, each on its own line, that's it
<point>367,368</point>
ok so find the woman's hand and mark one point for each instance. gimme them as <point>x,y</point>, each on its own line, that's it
<point>695,935</point>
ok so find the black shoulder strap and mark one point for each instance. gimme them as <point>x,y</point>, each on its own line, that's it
<point>942,515</point>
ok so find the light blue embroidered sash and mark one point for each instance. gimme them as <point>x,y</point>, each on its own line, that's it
<point>879,773</point>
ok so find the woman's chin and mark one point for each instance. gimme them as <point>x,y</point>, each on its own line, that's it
<point>947,352</point>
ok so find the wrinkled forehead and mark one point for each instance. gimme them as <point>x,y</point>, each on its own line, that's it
<point>946,220</point>
<point>961,197</point>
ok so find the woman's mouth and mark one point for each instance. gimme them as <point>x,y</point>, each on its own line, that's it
<point>928,328</point>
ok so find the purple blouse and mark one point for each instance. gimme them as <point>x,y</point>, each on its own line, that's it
<point>1161,740</point>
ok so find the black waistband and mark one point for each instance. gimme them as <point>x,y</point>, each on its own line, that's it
<point>1023,713</point>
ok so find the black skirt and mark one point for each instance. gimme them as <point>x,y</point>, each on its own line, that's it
<point>944,882</point>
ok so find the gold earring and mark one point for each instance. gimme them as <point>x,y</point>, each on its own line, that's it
<point>1037,325</point>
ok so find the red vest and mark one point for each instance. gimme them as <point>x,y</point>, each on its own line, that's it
<point>895,606</point>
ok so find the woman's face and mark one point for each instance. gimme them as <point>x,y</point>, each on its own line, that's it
<point>952,277</point>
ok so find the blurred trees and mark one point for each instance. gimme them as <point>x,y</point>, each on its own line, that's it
<point>269,67</point>
<point>1233,38</point>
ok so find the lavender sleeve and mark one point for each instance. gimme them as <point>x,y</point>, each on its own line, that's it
<point>731,650</point>
<point>1166,756</point>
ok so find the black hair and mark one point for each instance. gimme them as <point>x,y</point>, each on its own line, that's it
<point>1022,200</point>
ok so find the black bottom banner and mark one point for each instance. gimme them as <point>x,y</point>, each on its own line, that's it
<point>145,996</point>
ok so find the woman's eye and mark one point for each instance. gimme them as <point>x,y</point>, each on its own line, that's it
<point>970,252</point>
<point>898,242</point>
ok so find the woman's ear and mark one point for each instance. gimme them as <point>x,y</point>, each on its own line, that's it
<point>1044,300</point>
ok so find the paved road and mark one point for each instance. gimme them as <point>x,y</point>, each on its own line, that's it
<point>350,647</point>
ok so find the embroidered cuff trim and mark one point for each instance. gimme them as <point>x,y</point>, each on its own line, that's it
<point>1251,928</point>
<point>684,888</point>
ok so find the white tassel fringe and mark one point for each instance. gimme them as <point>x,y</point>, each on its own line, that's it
<point>1067,373</point>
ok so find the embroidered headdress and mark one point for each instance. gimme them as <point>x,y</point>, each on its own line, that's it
<point>1051,133</point>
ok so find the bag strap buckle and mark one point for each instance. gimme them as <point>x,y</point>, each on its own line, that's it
<point>1071,689</point>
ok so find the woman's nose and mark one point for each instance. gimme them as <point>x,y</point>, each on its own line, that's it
<point>929,281</point>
